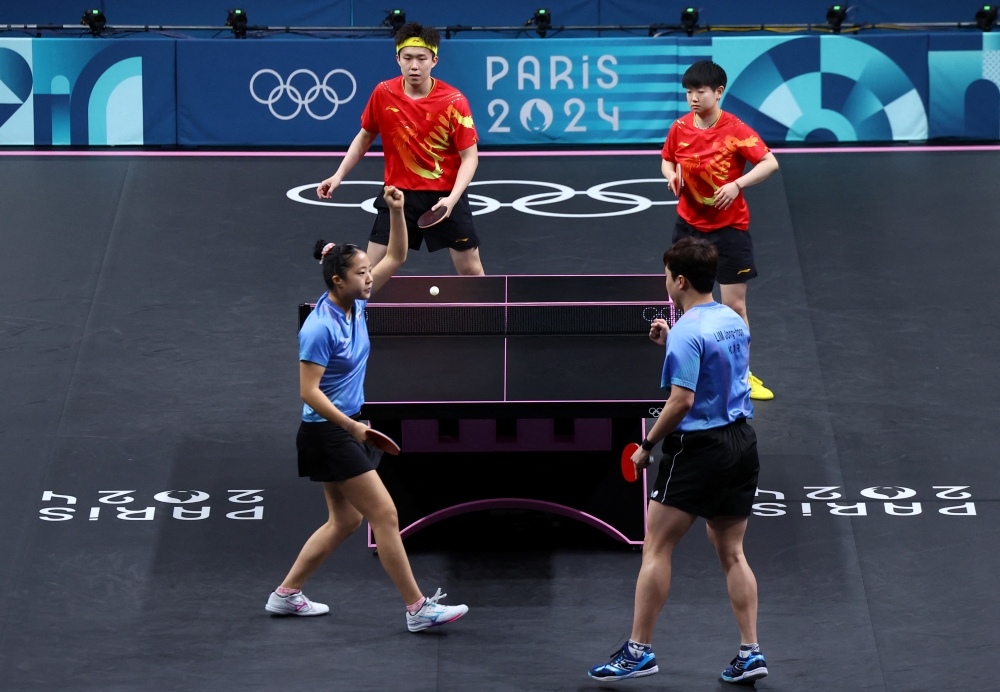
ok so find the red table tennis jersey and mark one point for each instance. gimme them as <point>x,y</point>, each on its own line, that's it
<point>421,138</point>
<point>709,159</point>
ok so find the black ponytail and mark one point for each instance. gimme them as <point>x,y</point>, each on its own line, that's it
<point>336,261</point>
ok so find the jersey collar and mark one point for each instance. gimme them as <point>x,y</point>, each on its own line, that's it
<point>402,84</point>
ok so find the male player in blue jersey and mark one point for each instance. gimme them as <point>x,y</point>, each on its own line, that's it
<point>709,465</point>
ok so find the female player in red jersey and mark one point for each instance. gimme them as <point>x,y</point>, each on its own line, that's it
<point>703,161</point>
<point>429,142</point>
<point>332,443</point>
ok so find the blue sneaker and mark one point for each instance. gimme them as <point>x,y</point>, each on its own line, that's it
<point>628,662</point>
<point>748,669</point>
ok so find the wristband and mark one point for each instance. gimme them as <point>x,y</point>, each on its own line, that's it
<point>647,445</point>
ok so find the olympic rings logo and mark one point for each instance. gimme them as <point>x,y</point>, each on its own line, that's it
<point>534,204</point>
<point>655,412</point>
<point>295,95</point>
<point>664,312</point>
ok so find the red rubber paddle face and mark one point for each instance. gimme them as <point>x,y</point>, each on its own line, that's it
<point>628,468</point>
<point>432,217</point>
<point>381,441</point>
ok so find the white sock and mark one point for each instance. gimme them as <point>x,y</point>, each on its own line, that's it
<point>636,650</point>
<point>747,649</point>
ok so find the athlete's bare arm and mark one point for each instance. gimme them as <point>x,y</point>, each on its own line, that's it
<point>395,253</point>
<point>676,407</point>
<point>728,193</point>
<point>467,169</point>
<point>309,376</point>
<point>355,152</point>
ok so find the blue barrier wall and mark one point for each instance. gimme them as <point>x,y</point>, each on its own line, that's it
<point>902,87</point>
<point>62,92</point>
<point>512,12</point>
<point>276,92</point>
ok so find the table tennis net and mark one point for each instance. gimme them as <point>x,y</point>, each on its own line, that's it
<point>515,320</point>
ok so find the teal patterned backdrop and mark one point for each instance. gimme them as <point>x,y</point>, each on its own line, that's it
<point>310,92</point>
<point>86,92</point>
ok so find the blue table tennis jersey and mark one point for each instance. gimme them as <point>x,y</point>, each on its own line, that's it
<point>340,345</point>
<point>708,352</point>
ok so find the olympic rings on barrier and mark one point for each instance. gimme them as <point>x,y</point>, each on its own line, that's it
<point>528,204</point>
<point>296,96</point>
<point>655,412</point>
<point>657,313</point>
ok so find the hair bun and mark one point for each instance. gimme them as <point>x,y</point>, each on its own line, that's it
<point>318,249</point>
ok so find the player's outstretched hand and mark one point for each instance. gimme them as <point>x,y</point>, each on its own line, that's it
<point>326,188</point>
<point>726,195</point>
<point>658,331</point>
<point>393,197</point>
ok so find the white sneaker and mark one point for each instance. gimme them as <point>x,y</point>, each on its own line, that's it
<point>434,614</point>
<point>295,604</point>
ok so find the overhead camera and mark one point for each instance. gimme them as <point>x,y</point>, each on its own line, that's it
<point>986,17</point>
<point>94,19</point>
<point>394,19</point>
<point>689,20</point>
<point>237,19</point>
<point>542,21</point>
<point>835,16</point>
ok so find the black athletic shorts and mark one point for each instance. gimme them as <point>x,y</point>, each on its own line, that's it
<point>455,232</point>
<point>736,265</point>
<point>327,452</point>
<point>711,473</point>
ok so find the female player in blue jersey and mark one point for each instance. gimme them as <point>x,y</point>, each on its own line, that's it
<point>333,354</point>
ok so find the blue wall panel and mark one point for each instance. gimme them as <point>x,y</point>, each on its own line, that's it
<point>509,13</point>
<point>830,88</point>
<point>536,91</point>
<point>263,12</point>
<point>310,92</point>
<point>718,12</point>
<point>958,66</point>
<point>513,12</point>
<point>276,92</point>
<point>85,92</point>
<point>178,12</point>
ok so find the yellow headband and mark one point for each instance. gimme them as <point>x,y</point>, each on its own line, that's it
<point>416,42</point>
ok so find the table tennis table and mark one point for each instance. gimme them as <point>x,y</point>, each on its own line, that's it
<point>515,392</point>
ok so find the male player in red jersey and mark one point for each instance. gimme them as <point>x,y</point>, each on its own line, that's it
<point>703,161</point>
<point>429,141</point>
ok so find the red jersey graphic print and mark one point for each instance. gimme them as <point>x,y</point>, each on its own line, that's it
<point>421,138</point>
<point>709,159</point>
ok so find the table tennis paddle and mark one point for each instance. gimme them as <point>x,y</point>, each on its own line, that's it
<point>628,468</point>
<point>381,441</point>
<point>432,217</point>
<point>680,179</point>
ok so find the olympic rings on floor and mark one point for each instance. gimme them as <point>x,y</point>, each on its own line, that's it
<point>530,204</point>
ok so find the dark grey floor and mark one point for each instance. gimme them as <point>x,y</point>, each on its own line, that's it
<point>147,343</point>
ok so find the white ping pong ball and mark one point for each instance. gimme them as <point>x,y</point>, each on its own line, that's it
<point>435,290</point>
